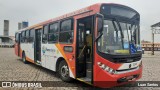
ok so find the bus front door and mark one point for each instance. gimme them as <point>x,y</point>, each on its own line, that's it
<point>84,63</point>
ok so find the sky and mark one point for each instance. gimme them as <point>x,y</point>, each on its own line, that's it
<point>36,11</point>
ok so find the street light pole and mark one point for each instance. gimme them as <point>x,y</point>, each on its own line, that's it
<point>152,41</point>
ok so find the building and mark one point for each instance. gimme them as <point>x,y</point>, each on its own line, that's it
<point>22,25</point>
<point>7,41</point>
<point>19,26</point>
<point>6,28</point>
<point>147,46</point>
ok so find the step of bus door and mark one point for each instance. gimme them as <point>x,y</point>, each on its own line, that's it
<point>88,59</point>
<point>85,79</point>
<point>89,73</point>
<point>89,65</point>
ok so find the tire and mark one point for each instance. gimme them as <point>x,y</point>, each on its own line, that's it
<point>24,58</point>
<point>63,71</point>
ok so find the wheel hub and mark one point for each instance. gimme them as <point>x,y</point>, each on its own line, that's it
<point>64,71</point>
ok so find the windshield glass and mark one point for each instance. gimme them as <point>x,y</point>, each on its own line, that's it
<point>118,38</point>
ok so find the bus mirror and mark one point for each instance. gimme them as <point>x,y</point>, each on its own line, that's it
<point>100,24</point>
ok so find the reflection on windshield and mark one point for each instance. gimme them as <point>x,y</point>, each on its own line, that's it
<point>116,41</point>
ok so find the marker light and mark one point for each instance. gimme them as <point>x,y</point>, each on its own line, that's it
<point>103,66</point>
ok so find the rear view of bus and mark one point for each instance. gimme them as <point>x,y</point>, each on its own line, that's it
<point>118,51</point>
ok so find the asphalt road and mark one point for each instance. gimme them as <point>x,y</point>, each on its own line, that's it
<point>13,69</point>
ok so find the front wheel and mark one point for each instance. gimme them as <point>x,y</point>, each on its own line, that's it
<point>64,72</point>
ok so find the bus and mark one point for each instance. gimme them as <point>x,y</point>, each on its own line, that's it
<point>99,45</point>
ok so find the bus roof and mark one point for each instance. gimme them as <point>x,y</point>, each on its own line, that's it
<point>83,10</point>
<point>93,8</point>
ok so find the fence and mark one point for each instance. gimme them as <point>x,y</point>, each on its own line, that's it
<point>6,45</point>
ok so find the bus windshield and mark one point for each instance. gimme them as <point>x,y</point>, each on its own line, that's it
<point>119,38</point>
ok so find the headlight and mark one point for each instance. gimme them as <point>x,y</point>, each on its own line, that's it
<point>99,63</point>
<point>103,66</point>
<point>106,68</point>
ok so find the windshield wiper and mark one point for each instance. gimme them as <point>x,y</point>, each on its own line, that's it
<point>98,37</point>
<point>122,35</point>
<point>114,25</point>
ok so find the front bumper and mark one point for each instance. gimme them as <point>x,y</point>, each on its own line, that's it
<point>105,80</point>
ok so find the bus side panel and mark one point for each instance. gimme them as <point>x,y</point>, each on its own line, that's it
<point>50,54</point>
<point>29,51</point>
<point>69,57</point>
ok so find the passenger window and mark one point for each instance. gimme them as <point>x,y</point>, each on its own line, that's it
<point>53,33</point>
<point>45,29</point>
<point>27,36</point>
<point>27,33</point>
<point>66,32</point>
<point>23,37</point>
<point>45,34</point>
<point>53,28</point>
<point>17,37</point>
<point>31,37</point>
<point>66,37</point>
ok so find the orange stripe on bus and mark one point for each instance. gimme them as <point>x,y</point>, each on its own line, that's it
<point>30,60</point>
<point>60,49</point>
<point>64,56</point>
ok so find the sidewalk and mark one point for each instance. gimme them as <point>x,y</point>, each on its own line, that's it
<point>151,56</point>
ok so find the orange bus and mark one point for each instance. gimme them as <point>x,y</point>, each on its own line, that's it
<point>99,45</point>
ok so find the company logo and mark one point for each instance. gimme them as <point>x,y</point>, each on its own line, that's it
<point>6,84</point>
<point>20,84</point>
<point>45,49</point>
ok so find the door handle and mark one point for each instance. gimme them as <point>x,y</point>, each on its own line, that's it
<point>81,51</point>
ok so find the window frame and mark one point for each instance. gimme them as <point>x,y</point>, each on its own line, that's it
<point>55,32</point>
<point>23,35</point>
<point>27,36</point>
<point>43,33</point>
<point>17,41</point>
<point>52,24</point>
<point>31,38</point>
<point>68,31</point>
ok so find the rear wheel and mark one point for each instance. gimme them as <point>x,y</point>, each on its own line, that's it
<point>64,72</point>
<point>24,58</point>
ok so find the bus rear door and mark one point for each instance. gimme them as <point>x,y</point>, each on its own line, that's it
<point>38,39</point>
